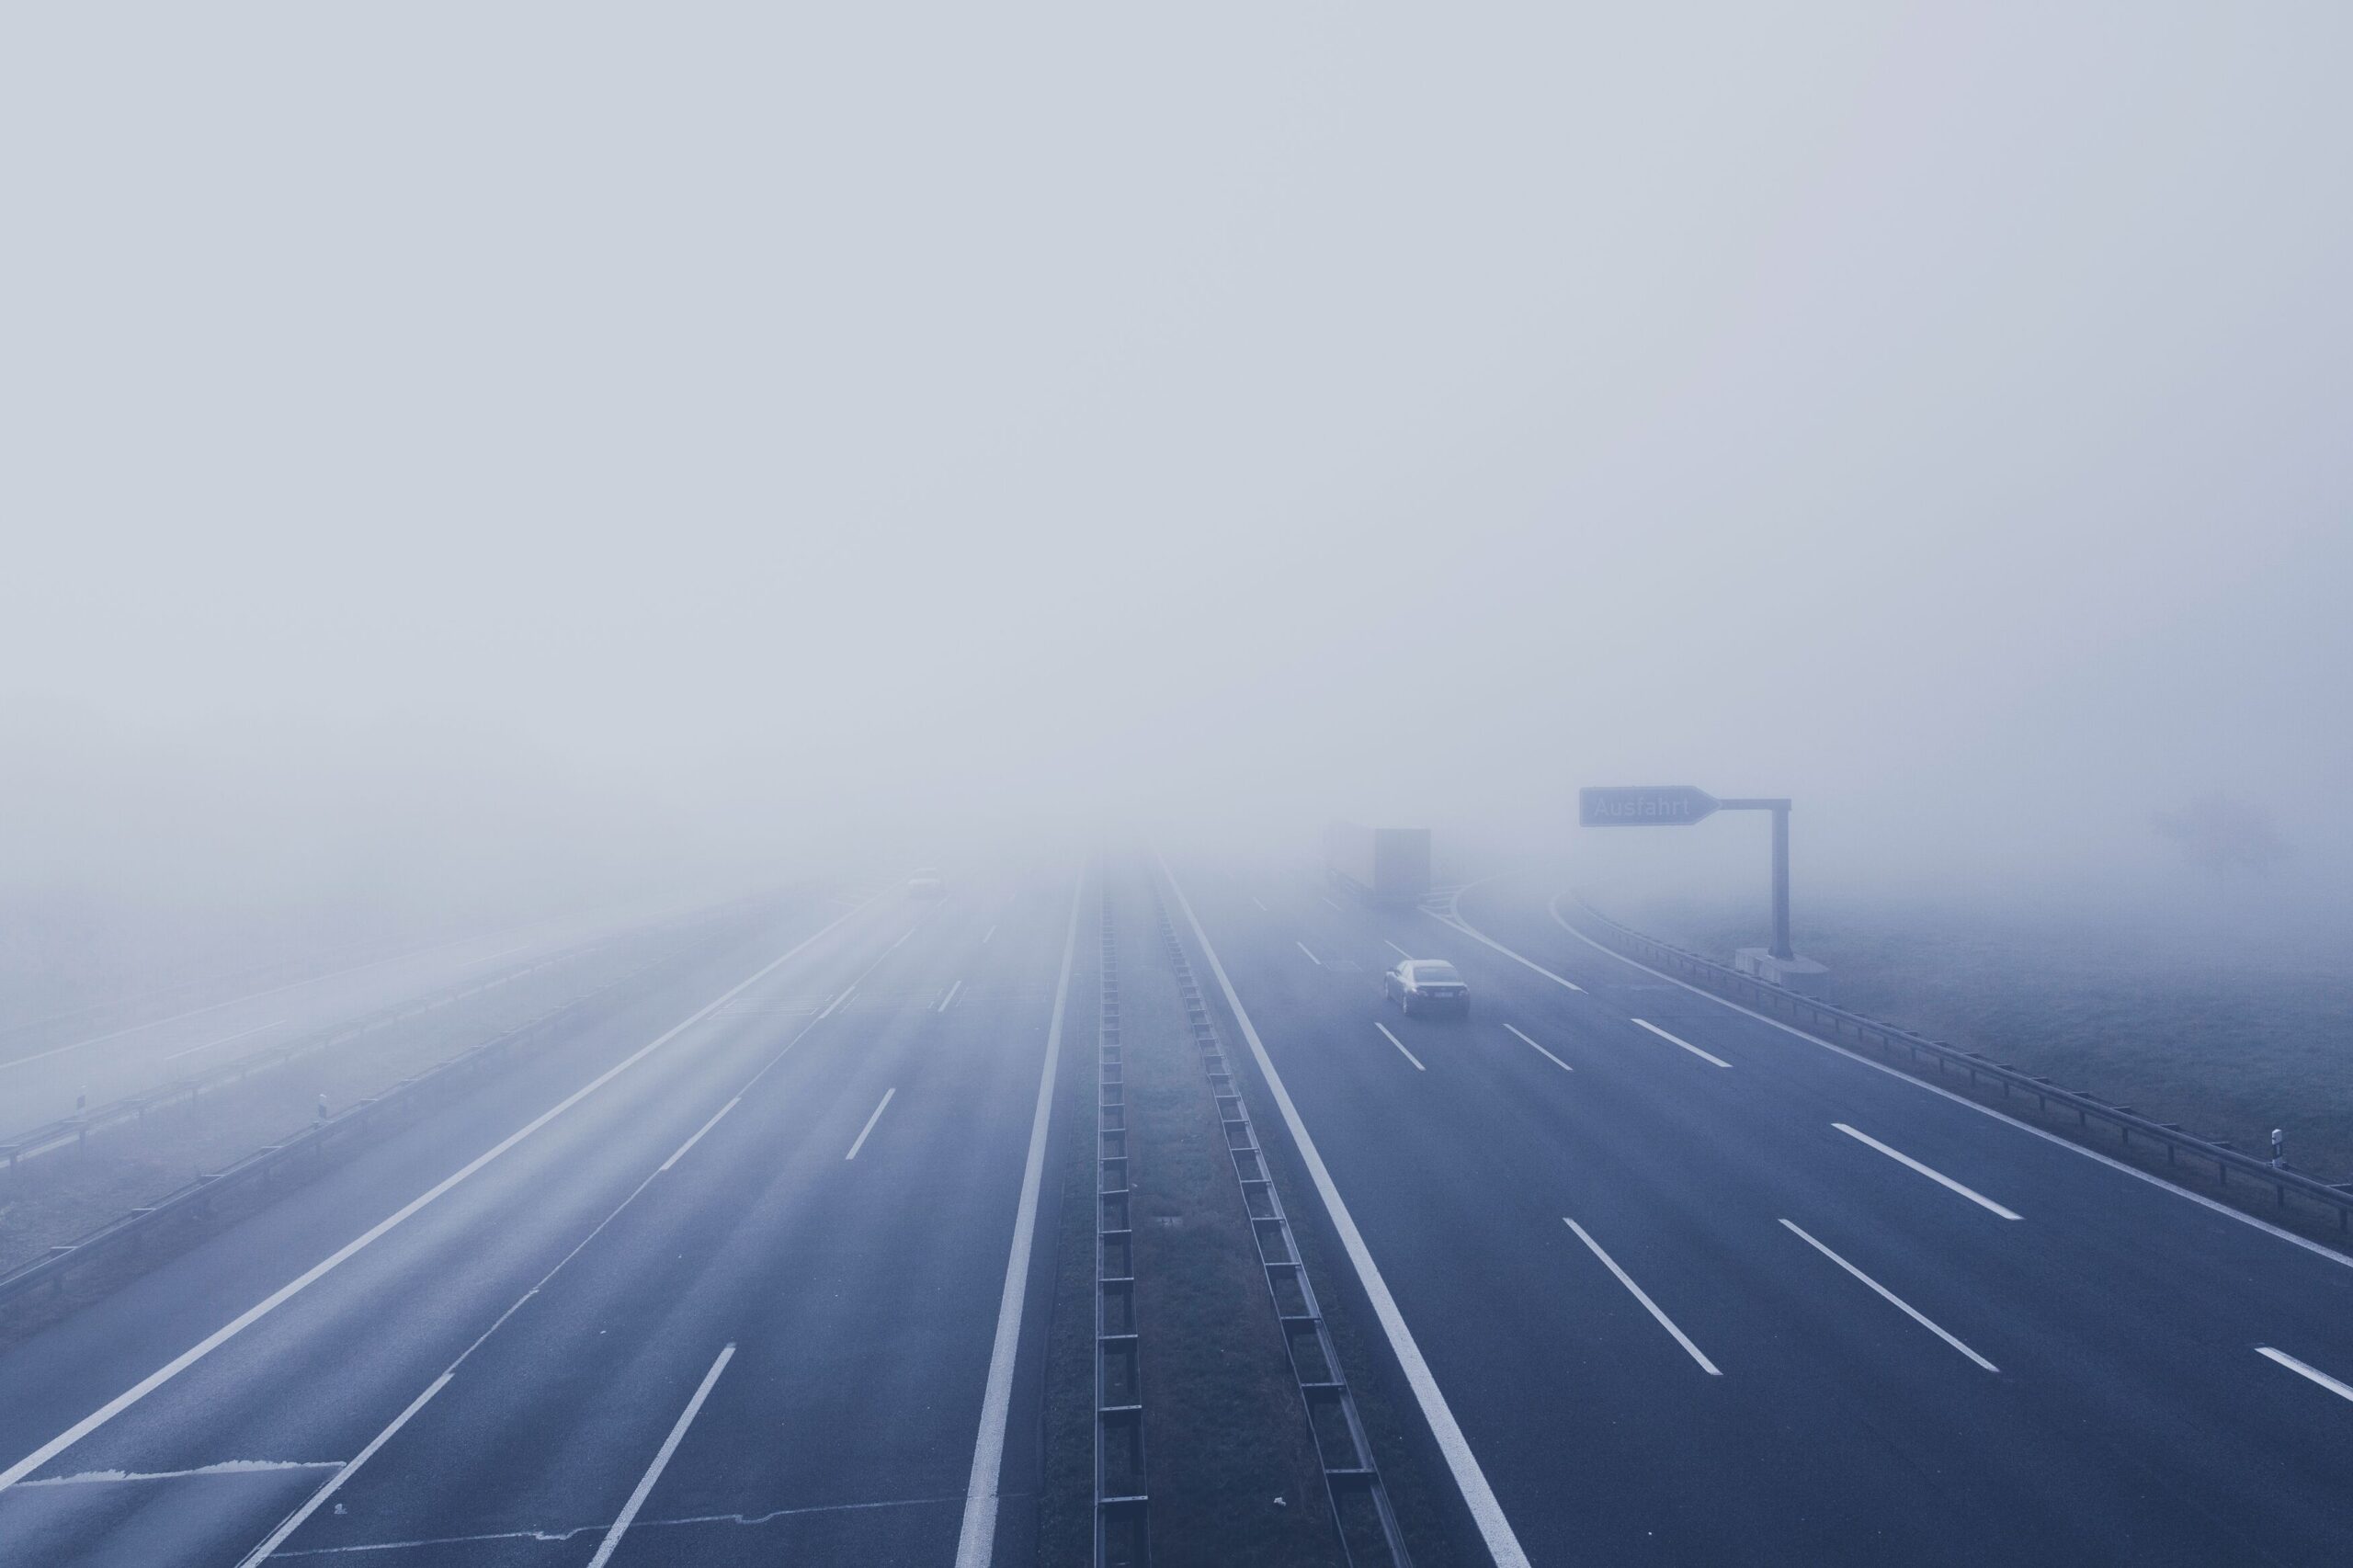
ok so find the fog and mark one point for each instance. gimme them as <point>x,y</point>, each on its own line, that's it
<point>466,459</point>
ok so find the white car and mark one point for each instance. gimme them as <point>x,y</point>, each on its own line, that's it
<point>1427,985</point>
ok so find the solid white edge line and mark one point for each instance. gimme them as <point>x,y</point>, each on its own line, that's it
<point>1908,1163</point>
<point>1645,1023</point>
<point>949,997</point>
<point>1399,1045</point>
<point>612,1541</point>
<point>224,1040</point>
<point>1651,1307</point>
<point>1477,935</point>
<point>1395,948</point>
<point>1890,1297</point>
<point>1542,1052</point>
<point>870,1120</point>
<point>976,1541</point>
<point>294,1521</point>
<point>2342,1390</point>
<point>690,1143</point>
<point>1503,1545</point>
<point>2266,1226</point>
<point>317,1271</point>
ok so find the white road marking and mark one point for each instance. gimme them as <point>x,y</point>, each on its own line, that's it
<point>870,1120</point>
<point>1395,948</point>
<point>1330,900</point>
<point>690,1143</point>
<point>224,1467</point>
<point>293,1521</point>
<point>985,939</point>
<point>1262,908</point>
<point>1938,1176</point>
<point>224,1040</point>
<point>1645,1023</point>
<point>1399,1045</point>
<point>901,942</point>
<point>949,997</point>
<point>1311,957</point>
<point>605,1548</point>
<point>1495,1529</point>
<point>1651,1307</point>
<point>1482,936</point>
<point>2341,1391</point>
<point>2266,1226</point>
<point>1544,1054</point>
<point>842,998</point>
<point>1890,1297</point>
<point>333,1260</point>
<point>976,1541</point>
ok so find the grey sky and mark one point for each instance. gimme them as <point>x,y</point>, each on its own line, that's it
<point>670,427</point>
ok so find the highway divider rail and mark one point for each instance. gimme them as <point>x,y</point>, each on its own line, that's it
<point>1914,1051</point>
<point>1122,1503</point>
<point>306,1149</point>
<point>1362,1515</point>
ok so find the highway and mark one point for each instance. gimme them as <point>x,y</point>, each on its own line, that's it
<point>740,1274</point>
<point>1693,1288</point>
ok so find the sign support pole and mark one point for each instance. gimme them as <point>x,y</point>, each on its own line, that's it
<point>1781,808</point>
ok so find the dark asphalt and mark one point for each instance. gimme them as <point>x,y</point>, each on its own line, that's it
<point>596,1291</point>
<point>2131,1419</point>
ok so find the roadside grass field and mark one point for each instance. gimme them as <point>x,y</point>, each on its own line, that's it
<point>2230,1042</point>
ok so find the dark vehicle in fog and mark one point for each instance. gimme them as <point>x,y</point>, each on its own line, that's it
<point>1427,985</point>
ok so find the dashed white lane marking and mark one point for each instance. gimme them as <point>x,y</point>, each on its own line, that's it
<point>335,1483</point>
<point>1890,1297</point>
<point>1330,900</point>
<point>333,1260</point>
<point>1311,957</point>
<point>1478,1495</point>
<point>2118,1166</point>
<point>612,1541</point>
<point>1483,938</point>
<point>840,999</point>
<point>1908,1163</point>
<point>1401,1046</point>
<point>690,1143</point>
<point>1542,1052</point>
<point>949,997</point>
<point>1395,948</point>
<point>1262,907</point>
<point>2341,1391</point>
<point>226,1467</point>
<point>985,939</point>
<point>976,1537</point>
<point>224,1040</point>
<point>1646,1023</point>
<point>1651,1307</point>
<point>870,1120</point>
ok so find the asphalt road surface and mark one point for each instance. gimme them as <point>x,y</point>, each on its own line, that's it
<point>720,1282</point>
<point>1694,1289</point>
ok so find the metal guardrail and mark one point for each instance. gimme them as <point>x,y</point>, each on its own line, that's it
<point>1122,1501</point>
<point>1838,1025</point>
<point>1361,1516</point>
<point>401,1098</point>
